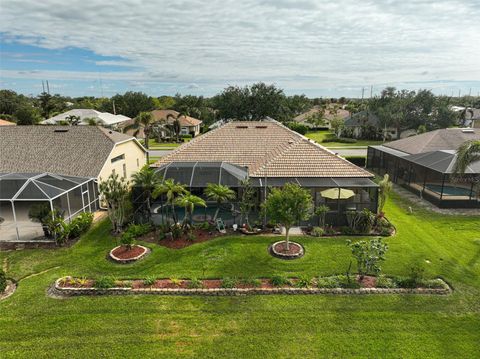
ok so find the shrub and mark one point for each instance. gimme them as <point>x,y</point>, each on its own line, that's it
<point>304,282</point>
<point>3,280</point>
<point>228,282</point>
<point>368,254</point>
<point>340,140</point>
<point>298,127</point>
<point>385,282</point>
<point>279,280</point>
<point>191,236</point>
<point>138,230</point>
<point>414,279</point>
<point>176,282</point>
<point>317,232</point>
<point>105,282</point>
<point>253,282</point>
<point>347,230</point>
<point>149,280</point>
<point>187,136</point>
<point>195,283</point>
<point>177,231</point>
<point>81,224</point>
<point>347,282</point>
<point>327,282</point>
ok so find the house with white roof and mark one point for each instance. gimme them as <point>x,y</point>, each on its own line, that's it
<point>85,115</point>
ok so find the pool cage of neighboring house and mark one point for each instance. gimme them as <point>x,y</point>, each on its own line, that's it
<point>19,192</point>
<point>428,175</point>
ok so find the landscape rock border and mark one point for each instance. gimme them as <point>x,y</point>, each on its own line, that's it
<point>146,251</point>
<point>280,255</point>
<point>9,290</point>
<point>71,291</point>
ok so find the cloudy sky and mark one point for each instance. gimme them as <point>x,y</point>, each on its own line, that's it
<point>320,48</point>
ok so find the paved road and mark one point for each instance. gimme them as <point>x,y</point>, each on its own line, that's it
<point>344,151</point>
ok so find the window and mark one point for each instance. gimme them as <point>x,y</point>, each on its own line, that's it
<point>118,158</point>
<point>124,170</point>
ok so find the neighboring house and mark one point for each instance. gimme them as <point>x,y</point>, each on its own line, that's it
<point>104,119</point>
<point>189,125</point>
<point>467,116</point>
<point>424,164</point>
<point>269,154</point>
<point>317,113</point>
<point>83,151</point>
<point>7,123</point>
<point>365,124</point>
<point>58,166</point>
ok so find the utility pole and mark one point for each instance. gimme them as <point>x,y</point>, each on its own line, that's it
<point>113,103</point>
<point>48,88</point>
<point>43,86</point>
<point>371,91</point>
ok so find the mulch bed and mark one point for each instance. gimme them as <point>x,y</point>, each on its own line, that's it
<point>294,248</point>
<point>125,253</point>
<point>367,281</point>
<point>201,235</point>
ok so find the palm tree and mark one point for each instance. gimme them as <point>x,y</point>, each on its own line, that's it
<point>175,126</point>
<point>172,190</point>
<point>220,194</point>
<point>143,120</point>
<point>467,154</point>
<point>147,180</point>
<point>189,201</point>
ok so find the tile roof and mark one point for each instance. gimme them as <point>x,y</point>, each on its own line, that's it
<point>166,115</point>
<point>67,150</point>
<point>444,139</point>
<point>361,118</point>
<point>267,148</point>
<point>329,114</point>
<point>103,118</point>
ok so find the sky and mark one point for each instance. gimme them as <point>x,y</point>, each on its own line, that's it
<point>315,47</point>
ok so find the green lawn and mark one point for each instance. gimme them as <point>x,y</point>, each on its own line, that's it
<point>154,145</point>
<point>306,326</point>
<point>319,136</point>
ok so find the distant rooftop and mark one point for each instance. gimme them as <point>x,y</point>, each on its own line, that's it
<point>102,118</point>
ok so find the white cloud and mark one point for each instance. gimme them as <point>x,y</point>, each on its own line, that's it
<point>303,44</point>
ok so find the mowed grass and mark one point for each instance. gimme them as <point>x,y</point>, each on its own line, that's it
<point>319,136</point>
<point>387,326</point>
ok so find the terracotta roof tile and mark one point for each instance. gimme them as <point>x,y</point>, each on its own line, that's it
<point>267,148</point>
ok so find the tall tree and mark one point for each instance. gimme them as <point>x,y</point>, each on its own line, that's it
<point>147,180</point>
<point>143,121</point>
<point>171,190</point>
<point>132,103</point>
<point>26,115</point>
<point>115,190</point>
<point>467,154</point>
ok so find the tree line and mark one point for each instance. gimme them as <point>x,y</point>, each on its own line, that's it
<point>401,109</point>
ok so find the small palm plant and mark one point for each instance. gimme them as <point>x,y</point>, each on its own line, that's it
<point>189,202</point>
<point>219,193</point>
<point>467,154</point>
<point>172,190</point>
<point>147,180</point>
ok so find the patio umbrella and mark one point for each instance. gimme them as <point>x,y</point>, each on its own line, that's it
<point>337,193</point>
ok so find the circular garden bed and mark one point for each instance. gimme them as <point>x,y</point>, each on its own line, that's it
<point>9,290</point>
<point>279,250</point>
<point>123,254</point>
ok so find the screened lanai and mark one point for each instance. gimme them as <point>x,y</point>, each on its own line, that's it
<point>19,192</point>
<point>197,175</point>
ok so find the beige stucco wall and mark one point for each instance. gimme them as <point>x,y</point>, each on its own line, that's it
<point>135,159</point>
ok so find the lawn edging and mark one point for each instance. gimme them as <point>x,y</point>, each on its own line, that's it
<point>73,291</point>
<point>116,259</point>
<point>9,290</point>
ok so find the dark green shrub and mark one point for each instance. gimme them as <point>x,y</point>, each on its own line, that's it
<point>191,236</point>
<point>328,282</point>
<point>3,281</point>
<point>347,230</point>
<point>81,224</point>
<point>414,279</point>
<point>187,136</point>
<point>298,127</point>
<point>195,283</point>
<point>138,230</point>
<point>228,282</point>
<point>339,139</point>
<point>127,240</point>
<point>279,281</point>
<point>105,282</point>
<point>177,231</point>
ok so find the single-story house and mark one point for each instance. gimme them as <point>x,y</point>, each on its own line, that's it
<point>365,124</point>
<point>104,119</point>
<point>424,164</point>
<point>270,155</point>
<point>189,125</point>
<point>60,166</point>
<point>310,117</point>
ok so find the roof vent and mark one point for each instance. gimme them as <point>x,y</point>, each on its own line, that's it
<point>242,126</point>
<point>291,141</point>
<point>468,130</point>
<point>61,130</point>
<point>261,126</point>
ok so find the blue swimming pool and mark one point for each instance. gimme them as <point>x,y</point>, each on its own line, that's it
<point>448,190</point>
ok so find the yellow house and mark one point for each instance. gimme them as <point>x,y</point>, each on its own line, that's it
<point>83,151</point>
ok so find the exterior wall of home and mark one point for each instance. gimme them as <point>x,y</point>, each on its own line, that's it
<point>134,158</point>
